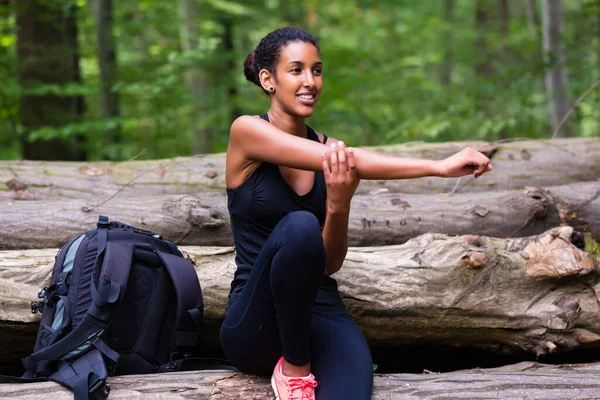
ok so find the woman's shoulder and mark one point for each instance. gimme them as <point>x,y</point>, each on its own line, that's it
<point>245,118</point>
<point>245,124</point>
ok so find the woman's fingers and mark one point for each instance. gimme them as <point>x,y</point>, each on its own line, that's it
<point>341,155</point>
<point>333,160</point>
<point>479,163</point>
<point>325,163</point>
<point>351,161</point>
<point>339,160</point>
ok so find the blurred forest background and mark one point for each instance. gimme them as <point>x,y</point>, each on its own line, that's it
<point>108,80</point>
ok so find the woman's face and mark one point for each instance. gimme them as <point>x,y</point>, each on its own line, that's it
<point>298,79</point>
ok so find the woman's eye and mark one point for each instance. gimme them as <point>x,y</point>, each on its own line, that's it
<point>296,70</point>
<point>318,71</point>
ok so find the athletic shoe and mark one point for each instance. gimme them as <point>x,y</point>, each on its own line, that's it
<point>292,387</point>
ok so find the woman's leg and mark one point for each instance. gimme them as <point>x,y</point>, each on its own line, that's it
<point>272,314</point>
<point>340,358</point>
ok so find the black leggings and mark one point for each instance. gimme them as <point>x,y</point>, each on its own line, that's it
<point>288,308</point>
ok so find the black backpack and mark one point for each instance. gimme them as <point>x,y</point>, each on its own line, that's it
<point>121,301</point>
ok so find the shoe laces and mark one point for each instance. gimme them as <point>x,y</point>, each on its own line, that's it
<point>303,387</point>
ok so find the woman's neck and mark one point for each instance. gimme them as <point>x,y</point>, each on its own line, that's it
<point>287,123</point>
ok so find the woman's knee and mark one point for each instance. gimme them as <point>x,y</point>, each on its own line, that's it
<point>301,230</point>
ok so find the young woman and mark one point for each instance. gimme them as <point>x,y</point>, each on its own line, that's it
<point>289,190</point>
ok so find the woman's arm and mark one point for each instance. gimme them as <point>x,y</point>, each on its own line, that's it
<point>339,168</point>
<point>258,140</point>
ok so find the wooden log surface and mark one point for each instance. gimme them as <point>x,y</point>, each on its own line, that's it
<point>516,164</point>
<point>375,219</point>
<point>521,381</point>
<point>494,294</point>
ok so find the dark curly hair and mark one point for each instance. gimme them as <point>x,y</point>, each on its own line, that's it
<point>267,53</point>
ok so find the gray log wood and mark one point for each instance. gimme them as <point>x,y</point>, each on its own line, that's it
<point>516,164</point>
<point>375,219</point>
<point>519,381</point>
<point>474,291</point>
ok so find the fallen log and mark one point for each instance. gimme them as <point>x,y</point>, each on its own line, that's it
<point>522,381</point>
<point>516,164</point>
<point>500,295</point>
<point>378,219</point>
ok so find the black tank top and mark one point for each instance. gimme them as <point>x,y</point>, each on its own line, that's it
<point>258,204</point>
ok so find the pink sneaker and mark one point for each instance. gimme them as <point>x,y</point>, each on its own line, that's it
<point>292,387</point>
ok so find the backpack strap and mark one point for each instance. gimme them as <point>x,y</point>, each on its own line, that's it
<point>81,354</point>
<point>188,320</point>
<point>86,376</point>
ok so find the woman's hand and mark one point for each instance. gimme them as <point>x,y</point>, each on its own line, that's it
<point>339,168</point>
<point>465,162</point>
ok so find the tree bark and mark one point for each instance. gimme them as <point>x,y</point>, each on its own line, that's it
<point>516,164</point>
<point>446,76</point>
<point>196,77</point>
<point>47,53</point>
<point>597,26</point>
<point>535,295</point>
<point>107,61</point>
<point>532,19</point>
<point>483,68</point>
<point>379,219</point>
<point>526,380</point>
<point>230,66</point>
<point>556,79</point>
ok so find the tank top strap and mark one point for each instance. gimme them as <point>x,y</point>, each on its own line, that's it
<point>312,135</point>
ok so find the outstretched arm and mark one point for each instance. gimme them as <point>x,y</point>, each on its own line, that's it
<point>257,140</point>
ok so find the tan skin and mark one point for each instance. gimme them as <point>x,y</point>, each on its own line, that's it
<point>283,141</point>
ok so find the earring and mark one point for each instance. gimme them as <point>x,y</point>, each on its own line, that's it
<point>270,88</point>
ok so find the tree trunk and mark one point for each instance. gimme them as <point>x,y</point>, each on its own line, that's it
<point>535,295</point>
<point>380,219</point>
<point>526,380</point>
<point>47,53</point>
<point>504,19</point>
<point>230,67</point>
<point>196,78</point>
<point>447,64</point>
<point>532,19</point>
<point>483,68</point>
<point>556,79</point>
<point>107,61</point>
<point>597,7</point>
<point>516,164</point>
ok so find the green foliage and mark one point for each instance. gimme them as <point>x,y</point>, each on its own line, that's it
<point>383,75</point>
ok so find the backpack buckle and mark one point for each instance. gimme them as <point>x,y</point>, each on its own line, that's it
<point>37,307</point>
<point>98,389</point>
<point>103,222</point>
<point>42,294</point>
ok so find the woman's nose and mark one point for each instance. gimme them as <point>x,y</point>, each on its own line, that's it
<point>309,80</point>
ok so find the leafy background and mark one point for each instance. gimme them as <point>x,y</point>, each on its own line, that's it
<point>395,71</point>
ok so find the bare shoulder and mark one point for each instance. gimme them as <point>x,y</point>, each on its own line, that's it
<point>243,120</point>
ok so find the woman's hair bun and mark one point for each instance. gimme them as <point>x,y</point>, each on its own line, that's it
<point>249,70</point>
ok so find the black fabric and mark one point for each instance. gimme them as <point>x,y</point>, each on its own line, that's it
<point>188,323</point>
<point>274,310</point>
<point>279,302</point>
<point>80,291</point>
<point>121,308</point>
<point>269,318</point>
<point>257,206</point>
